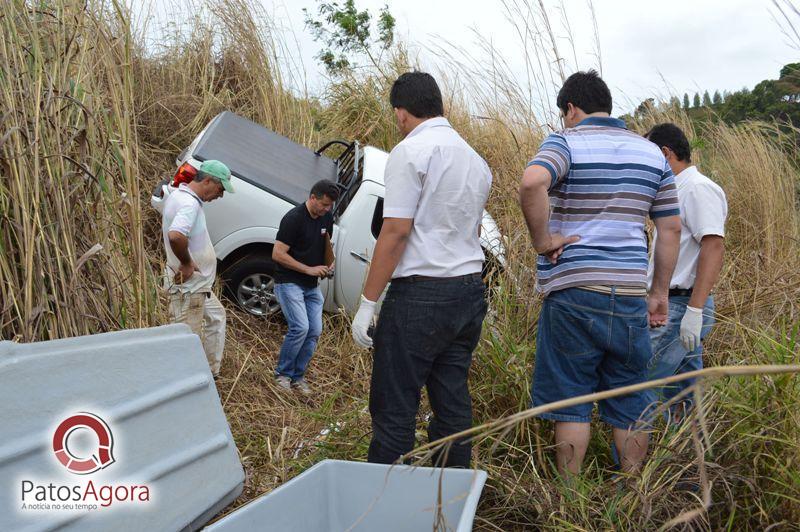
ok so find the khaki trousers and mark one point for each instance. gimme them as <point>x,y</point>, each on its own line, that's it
<point>205,315</point>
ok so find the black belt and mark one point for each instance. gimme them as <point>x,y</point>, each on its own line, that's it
<point>419,278</point>
<point>680,292</point>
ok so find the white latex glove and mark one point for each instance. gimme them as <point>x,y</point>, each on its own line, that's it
<point>691,325</point>
<point>362,321</point>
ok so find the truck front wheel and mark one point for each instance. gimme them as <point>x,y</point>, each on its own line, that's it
<point>250,283</point>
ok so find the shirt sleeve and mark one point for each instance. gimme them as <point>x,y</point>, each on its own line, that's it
<point>185,218</point>
<point>554,156</point>
<point>287,231</point>
<point>706,210</point>
<point>403,184</point>
<point>666,200</point>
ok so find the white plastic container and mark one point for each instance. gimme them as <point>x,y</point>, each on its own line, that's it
<point>336,495</point>
<point>155,391</point>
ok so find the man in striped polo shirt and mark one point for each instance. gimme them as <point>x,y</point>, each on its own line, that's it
<point>601,182</point>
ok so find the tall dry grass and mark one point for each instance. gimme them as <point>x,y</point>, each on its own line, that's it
<point>92,118</point>
<point>72,258</point>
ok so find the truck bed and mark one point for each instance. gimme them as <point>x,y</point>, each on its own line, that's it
<point>263,158</point>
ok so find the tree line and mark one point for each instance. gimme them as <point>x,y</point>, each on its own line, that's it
<point>771,99</point>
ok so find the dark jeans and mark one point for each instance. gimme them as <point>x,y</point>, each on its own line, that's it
<point>425,336</point>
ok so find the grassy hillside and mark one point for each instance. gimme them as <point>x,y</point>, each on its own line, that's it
<point>91,119</point>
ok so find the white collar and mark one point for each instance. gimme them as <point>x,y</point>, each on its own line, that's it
<point>185,187</point>
<point>438,121</point>
<point>685,174</point>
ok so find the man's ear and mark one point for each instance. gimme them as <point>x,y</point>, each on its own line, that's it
<point>571,109</point>
<point>665,151</point>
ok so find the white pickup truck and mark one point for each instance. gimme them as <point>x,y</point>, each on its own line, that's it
<point>271,174</point>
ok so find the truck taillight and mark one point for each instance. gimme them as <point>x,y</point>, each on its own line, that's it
<point>185,174</point>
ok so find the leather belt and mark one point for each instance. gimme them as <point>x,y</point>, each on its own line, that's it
<point>631,291</point>
<point>680,292</point>
<point>419,278</point>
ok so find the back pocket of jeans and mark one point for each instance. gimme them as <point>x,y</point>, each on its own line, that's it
<point>570,335</point>
<point>424,326</point>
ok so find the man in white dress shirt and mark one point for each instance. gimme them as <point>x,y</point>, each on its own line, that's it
<point>431,318</point>
<point>677,347</point>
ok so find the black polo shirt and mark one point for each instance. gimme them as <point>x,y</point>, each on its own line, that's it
<point>305,237</point>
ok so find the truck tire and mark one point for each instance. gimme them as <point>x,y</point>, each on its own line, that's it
<point>250,283</point>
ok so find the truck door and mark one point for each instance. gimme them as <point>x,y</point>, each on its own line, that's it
<point>358,230</point>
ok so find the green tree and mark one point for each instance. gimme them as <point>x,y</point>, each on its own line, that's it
<point>675,102</point>
<point>717,99</point>
<point>685,101</point>
<point>696,100</point>
<point>349,35</point>
<point>789,82</point>
<point>706,99</point>
<point>771,99</point>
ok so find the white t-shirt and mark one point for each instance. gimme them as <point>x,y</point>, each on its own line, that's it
<point>703,211</point>
<point>436,178</point>
<point>183,212</point>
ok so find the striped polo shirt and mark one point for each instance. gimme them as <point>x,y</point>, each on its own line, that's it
<point>605,181</point>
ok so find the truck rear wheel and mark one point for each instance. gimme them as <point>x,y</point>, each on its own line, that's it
<point>250,283</point>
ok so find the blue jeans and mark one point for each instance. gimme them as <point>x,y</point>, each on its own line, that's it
<point>426,333</point>
<point>669,355</point>
<point>589,342</point>
<point>302,308</point>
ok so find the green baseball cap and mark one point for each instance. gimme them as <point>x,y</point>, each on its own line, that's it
<point>218,171</point>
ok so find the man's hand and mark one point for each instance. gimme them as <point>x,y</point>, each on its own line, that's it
<point>317,271</point>
<point>691,325</point>
<point>657,309</point>
<point>362,322</point>
<point>331,269</point>
<point>555,246</point>
<point>185,272</point>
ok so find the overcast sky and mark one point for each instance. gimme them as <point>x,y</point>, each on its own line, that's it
<point>648,47</point>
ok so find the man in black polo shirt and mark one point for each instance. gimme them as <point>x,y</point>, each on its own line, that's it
<point>300,255</point>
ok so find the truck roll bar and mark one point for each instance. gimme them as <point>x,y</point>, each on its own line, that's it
<point>331,143</point>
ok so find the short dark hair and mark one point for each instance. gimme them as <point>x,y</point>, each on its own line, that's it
<point>671,136</point>
<point>587,91</point>
<point>325,187</point>
<point>417,93</point>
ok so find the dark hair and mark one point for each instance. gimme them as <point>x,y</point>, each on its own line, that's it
<point>325,187</point>
<point>672,137</point>
<point>417,93</point>
<point>586,91</point>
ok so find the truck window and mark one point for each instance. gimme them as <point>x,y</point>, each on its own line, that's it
<point>377,218</point>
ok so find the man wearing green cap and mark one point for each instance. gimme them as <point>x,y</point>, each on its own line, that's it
<point>191,261</point>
